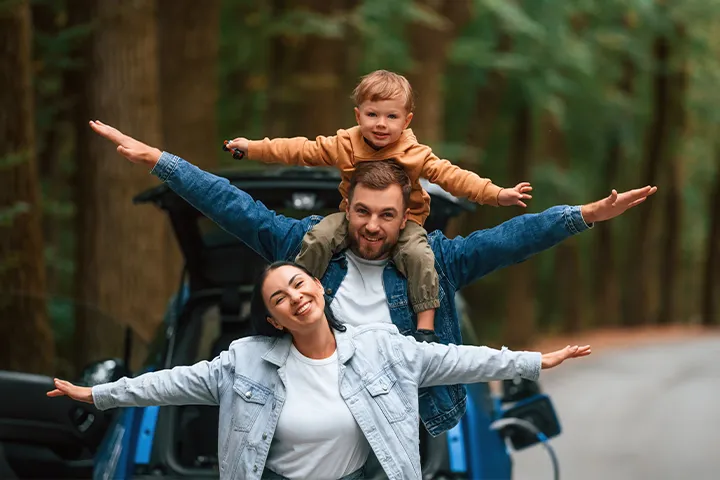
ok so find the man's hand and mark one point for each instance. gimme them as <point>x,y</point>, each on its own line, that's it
<point>550,360</point>
<point>62,388</point>
<point>241,144</point>
<point>515,195</point>
<point>128,147</point>
<point>616,204</point>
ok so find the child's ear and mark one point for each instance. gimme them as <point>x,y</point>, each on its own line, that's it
<point>357,116</point>
<point>408,119</point>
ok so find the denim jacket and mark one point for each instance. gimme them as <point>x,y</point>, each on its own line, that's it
<point>379,372</point>
<point>459,261</point>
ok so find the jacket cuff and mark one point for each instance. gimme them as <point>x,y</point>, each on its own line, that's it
<point>102,396</point>
<point>165,166</point>
<point>529,365</point>
<point>574,221</point>
<point>490,195</point>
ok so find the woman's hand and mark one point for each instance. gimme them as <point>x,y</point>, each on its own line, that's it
<point>62,387</point>
<point>553,359</point>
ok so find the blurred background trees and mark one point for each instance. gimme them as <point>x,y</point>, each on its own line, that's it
<point>577,97</point>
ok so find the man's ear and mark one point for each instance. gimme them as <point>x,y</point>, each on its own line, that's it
<point>408,119</point>
<point>357,116</point>
<point>405,218</point>
<point>272,322</point>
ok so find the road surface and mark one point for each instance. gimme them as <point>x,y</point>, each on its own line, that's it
<point>650,412</point>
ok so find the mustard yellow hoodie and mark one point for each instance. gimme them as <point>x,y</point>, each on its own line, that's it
<point>346,149</point>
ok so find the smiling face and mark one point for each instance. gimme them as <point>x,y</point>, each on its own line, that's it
<point>294,300</point>
<point>382,121</point>
<point>375,218</point>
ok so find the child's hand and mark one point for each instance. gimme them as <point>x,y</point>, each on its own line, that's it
<point>515,195</point>
<point>240,144</point>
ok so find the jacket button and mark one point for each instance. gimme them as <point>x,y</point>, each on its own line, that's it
<point>248,394</point>
<point>328,291</point>
<point>255,468</point>
<point>264,436</point>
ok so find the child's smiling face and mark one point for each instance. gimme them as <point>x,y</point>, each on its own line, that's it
<point>382,121</point>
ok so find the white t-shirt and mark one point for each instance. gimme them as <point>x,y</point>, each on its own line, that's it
<point>316,436</point>
<point>361,298</point>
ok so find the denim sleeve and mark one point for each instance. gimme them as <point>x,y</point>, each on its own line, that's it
<point>466,259</point>
<point>436,364</point>
<point>199,384</point>
<point>272,236</point>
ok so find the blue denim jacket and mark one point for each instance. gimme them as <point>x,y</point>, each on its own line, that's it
<point>379,371</point>
<point>458,261</point>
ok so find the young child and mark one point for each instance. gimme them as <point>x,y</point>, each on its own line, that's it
<point>384,110</point>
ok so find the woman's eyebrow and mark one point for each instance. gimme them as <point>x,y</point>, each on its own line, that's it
<point>292,279</point>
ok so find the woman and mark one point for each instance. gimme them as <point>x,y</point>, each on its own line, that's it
<point>309,397</point>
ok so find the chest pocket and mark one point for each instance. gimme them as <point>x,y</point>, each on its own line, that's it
<point>387,394</point>
<point>249,400</point>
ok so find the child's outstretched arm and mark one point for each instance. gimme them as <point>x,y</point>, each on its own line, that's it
<point>466,184</point>
<point>323,151</point>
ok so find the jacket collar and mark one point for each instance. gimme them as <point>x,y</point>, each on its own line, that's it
<point>280,348</point>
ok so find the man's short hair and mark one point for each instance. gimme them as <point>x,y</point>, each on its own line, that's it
<point>384,85</point>
<point>379,175</point>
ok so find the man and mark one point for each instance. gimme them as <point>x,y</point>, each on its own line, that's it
<point>359,282</point>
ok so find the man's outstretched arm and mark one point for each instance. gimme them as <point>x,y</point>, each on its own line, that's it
<point>234,210</point>
<point>467,259</point>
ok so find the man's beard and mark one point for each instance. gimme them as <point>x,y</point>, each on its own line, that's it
<point>366,254</point>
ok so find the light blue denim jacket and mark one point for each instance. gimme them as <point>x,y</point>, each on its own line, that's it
<point>459,261</point>
<point>380,372</point>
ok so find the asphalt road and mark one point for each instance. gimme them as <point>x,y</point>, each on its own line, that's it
<point>652,412</point>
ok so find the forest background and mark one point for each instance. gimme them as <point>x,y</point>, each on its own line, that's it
<point>578,97</point>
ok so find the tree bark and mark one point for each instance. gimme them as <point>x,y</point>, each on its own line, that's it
<point>519,324</point>
<point>24,327</point>
<point>188,46</point>
<point>711,279</point>
<point>123,269</point>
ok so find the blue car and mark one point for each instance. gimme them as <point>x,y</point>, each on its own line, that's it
<point>210,310</point>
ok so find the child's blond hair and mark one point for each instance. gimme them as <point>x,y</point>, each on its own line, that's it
<point>384,85</point>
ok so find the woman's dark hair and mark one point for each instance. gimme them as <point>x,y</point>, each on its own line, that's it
<point>259,311</point>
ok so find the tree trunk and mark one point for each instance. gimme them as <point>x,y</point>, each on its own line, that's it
<point>637,301</point>
<point>308,94</point>
<point>188,46</point>
<point>24,327</point>
<point>487,111</point>
<point>123,266</point>
<point>607,308</point>
<point>519,323</point>
<point>711,282</point>
<point>607,285</point>
<point>672,236</point>
<point>430,46</point>
<point>567,287</point>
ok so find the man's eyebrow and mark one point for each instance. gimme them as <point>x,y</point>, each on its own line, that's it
<point>292,279</point>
